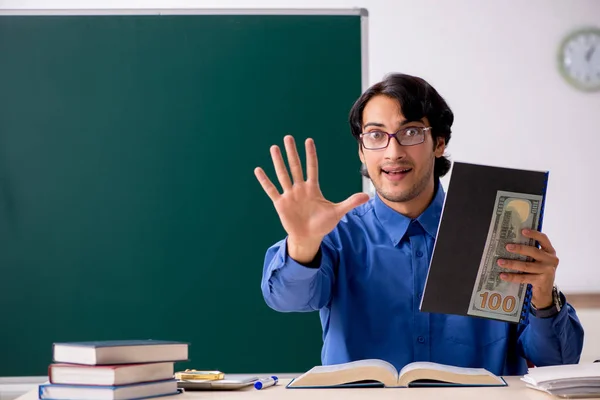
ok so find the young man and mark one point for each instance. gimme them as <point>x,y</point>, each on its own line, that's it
<point>363,262</point>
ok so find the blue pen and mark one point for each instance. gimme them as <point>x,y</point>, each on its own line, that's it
<point>266,382</point>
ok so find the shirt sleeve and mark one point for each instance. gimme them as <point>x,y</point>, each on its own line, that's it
<point>555,340</point>
<point>290,286</point>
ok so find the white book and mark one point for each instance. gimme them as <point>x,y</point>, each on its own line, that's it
<point>119,352</point>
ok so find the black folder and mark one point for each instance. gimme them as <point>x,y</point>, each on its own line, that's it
<point>470,218</point>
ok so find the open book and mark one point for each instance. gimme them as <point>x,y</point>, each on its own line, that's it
<point>379,372</point>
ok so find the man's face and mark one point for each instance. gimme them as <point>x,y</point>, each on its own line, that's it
<point>399,173</point>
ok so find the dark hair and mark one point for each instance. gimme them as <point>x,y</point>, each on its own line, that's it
<point>417,99</point>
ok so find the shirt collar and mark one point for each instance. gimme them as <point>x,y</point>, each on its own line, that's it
<point>396,224</point>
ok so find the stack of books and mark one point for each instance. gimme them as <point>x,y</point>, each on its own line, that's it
<point>113,370</point>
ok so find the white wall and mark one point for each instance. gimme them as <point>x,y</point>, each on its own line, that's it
<point>494,62</point>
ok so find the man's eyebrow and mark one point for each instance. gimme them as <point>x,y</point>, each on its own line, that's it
<point>377,124</point>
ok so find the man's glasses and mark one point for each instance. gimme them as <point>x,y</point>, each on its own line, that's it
<point>411,136</point>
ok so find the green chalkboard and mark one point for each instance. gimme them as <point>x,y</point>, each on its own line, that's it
<point>128,204</point>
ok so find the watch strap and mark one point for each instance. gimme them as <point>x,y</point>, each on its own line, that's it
<point>551,310</point>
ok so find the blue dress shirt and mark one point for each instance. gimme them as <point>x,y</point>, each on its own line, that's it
<point>367,285</point>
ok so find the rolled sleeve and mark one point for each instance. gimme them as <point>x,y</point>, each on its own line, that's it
<point>290,286</point>
<point>555,340</point>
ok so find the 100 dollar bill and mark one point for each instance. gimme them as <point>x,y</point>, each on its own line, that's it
<point>492,297</point>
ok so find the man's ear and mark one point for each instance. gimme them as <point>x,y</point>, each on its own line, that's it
<point>440,146</point>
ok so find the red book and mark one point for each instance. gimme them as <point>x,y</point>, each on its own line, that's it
<point>109,375</point>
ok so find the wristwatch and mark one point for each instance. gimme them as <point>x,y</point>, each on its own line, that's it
<point>552,309</point>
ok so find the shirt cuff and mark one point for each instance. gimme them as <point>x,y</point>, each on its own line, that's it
<point>294,271</point>
<point>549,324</point>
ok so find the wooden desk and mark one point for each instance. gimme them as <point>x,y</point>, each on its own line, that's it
<point>515,390</point>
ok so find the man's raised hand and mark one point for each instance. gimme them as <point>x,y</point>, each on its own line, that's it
<point>305,214</point>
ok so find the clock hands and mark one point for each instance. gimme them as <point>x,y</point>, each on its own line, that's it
<point>589,53</point>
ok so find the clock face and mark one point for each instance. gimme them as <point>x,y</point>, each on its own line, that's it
<point>579,59</point>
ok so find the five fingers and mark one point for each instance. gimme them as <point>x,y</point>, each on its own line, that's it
<point>294,164</point>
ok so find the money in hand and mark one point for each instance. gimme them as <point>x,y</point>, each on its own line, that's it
<point>492,297</point>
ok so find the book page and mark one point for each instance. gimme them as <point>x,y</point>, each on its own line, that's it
<point>445,368</point>
<point>419,371</point>
<point>355,371</point>
<point>355,364</point>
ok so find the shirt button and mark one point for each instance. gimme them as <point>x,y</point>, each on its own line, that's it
<point>421,339</point>
<point>419,253</point>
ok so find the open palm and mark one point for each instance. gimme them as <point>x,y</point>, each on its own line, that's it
<point>305,214</point>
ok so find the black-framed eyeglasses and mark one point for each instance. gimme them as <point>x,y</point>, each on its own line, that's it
<point>376,140</point>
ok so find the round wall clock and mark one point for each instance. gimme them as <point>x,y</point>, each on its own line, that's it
<point>579,59</point>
